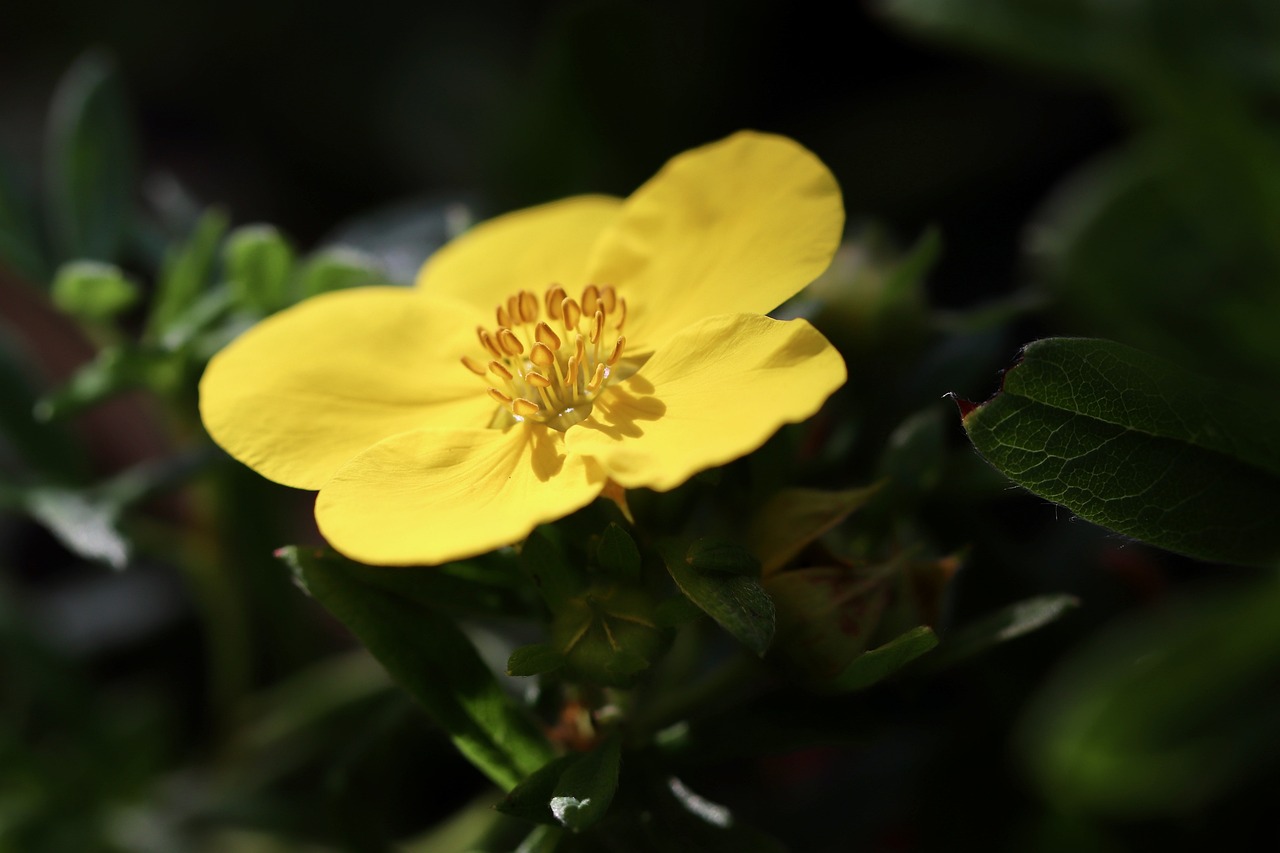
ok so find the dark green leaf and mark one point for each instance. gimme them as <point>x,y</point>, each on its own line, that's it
<point>1129,442</point>
<point>90,161</point>
<point>676,611</point>
<point>531,799</point>
<point>116,369</point>
<point>430,657</point>
<point>1009,623</point>
<point>717,555</point>
<point>29,449</point>
<point>826,615</point>
<point>258,261</point>
<point>793,518</point>
<point>187,272</point>
<point>586,787</point>
<point>534,660</point>
<point>93,290</point>
<point>617,553</point>
<point>881,662</point>
<point>737,602</point>
<point>557,581</point>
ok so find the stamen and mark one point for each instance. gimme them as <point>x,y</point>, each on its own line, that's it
<point>510,343</point>
<point>542,355</point>
<point>609,298</point>
<point>554,300</point>
<point>528,306</point>
<point>513,310</point>
<point>524,408</point>
<point>617,350</point>
<point>597,378</point>
<point>487,341</point>
<point>571,373</point>
<point>590,299</point>
<point>572,313</point>
<point>537,380</point>
<point>501,371</point>
<point>597,326</point>
<point>622,313</point>
<point>471,365</point>
<point>504,318</point>
<point>500,397</point>
<point>547,337</point>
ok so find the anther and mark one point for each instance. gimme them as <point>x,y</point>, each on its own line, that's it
<point>524,408</point>
<point>513,309</point>
<point>597,378</point>
<point>504,317</point>
<point>572,313</point>
<point>609,298</point>
<point>487,341</point>
<point>554,299</point>
<point>617,350</point>
<point>597,326</point>
<point>501,371</point>
<point>542,355</point>
<point>547,337</point>
<point>528,306</point>
<point>622,313</point>
<point>499,396</point>
<point>510,343</point>
<point>590,299</point>
<point>579,349</point>
<point>571,372</point>
<point>471,365</point>
<point>537,380</point>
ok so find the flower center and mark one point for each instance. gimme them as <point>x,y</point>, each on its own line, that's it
<point>550,358</point>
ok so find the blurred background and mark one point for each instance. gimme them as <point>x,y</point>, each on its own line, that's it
<point>1009,170</point>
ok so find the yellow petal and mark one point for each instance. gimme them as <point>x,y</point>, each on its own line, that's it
<point>714,392</point>
<point>302,392</point>
<point>427,497</point>
<point>525,250</point>
<point>739,225</point>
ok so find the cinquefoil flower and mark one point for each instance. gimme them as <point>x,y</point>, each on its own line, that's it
<point>541,355</point>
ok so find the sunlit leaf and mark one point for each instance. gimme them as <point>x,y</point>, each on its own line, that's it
<point>879,663</point>
<point>93,290</point>
<point>1130,442</point>
<point>258,261</point>
<point>187,273</point>
<point>737,602</point>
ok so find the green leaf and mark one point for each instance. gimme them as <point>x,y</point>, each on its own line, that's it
<point>556,580</point>
<point>186,273</point>
<point>116,369</point>
<point>258,262</point>
<point>93,290</point>
<point>826,615</point>
<point>430,657</point>
<point>617,553</point>
<point>1164,712</point>
<point>1130,442</point>
<point>737,602</point>
<point>879,663</point>
<point>534,660</point>
<point>793,518</point>
<point>338,268</point>
<point>718,555</point>
<point>28,447</point>
<point>573,791</point>
<point>1006,624</point>
<point>90,161</point>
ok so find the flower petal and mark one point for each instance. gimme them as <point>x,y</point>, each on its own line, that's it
<point>302,392</point>
<point>715,392</point>
<point>525,250</point>
<point>739,225</point>
<point>429,496</point>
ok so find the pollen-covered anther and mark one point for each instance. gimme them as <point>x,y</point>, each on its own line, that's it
<point>524,408</point>
<point>500,397</point>
<point>542,355</point>
<point>472,365</point>
<point>597,378</point>
<point>590,299</point>
<point>510,343</point>
<point>617,350</point>
<point>487,341</point>
<point>537,380</point>
<point>597,326</point>
<point>500,370</point>
<point>570,313</point>
<point>545,336</point>
<point>528,307</point>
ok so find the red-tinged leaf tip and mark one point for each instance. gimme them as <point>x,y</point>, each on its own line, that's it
<point>965,406</point>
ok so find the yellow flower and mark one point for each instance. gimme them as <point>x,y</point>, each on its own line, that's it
<point>628,344</point>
